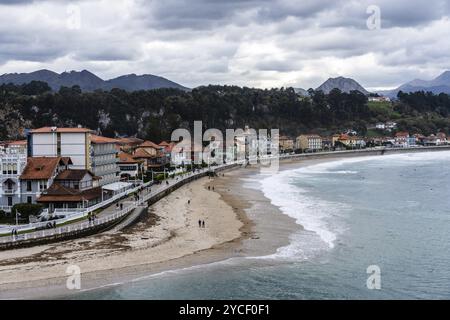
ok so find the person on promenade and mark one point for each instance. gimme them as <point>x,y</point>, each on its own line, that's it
<point>90,219</point>
<point>199,223</point>
<point>189,201</point>
<point>203,223</point>
<point>121,206</point>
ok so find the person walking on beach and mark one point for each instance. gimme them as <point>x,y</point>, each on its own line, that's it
<point>199,223</point>
<point>203,223</point>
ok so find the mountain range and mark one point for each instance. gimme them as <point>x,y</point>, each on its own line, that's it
<point>90,82</point>
<point>440,84</point>
<point>341,83</point>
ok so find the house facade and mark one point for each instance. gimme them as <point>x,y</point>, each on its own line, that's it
<point>286,144</point>
<point>71,188</point>
<point>39,174</point>
<point>309,142</point>
<point>13,159</point>
<point>129,167</point>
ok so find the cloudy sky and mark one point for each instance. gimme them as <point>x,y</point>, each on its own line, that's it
<point>257,43</point>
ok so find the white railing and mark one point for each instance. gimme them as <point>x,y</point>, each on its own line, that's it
<point>48,232</point>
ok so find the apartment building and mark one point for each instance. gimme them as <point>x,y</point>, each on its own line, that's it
<point>104,160</point>
<point>309,142</point>
<point>13,159</point>
<point>61,142</point>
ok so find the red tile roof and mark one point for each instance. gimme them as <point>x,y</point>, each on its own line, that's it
<point>149,144</point>
<point>102,140</point>
<point>59,193</point>
<point>127,158</point>
<point>55,129</point>
<point>73,174</point>
<point>141,153</point>
<point>129,141</point>
<point>42,168</point>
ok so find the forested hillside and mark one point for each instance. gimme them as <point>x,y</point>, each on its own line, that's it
<point>153,114</point>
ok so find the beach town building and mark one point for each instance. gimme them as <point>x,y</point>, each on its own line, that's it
<point>379,99</point>
<point>71,188</point>
<point>309,142</point>
<point>442,138</point>
<point>286,144</point>
<point>348,141</point>
<point>130,167</point>
<point>103,157</point>
<point>390,125</point>
<point>435,140</point>
<point>39,174</point>
<point>380,126</point>
<point>86,150</point>
<point>404,140</point>
<point>128,144</point>
<point>61,142</point>
<point>327,143</point>
<point>13,159</point>
<point>150,147</point>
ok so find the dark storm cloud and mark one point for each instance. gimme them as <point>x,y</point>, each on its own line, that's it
<point>247,42</point>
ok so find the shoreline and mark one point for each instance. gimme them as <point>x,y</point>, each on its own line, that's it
<point>254,237</point>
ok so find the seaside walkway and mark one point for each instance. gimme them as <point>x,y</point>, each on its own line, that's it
<point>110,215</point>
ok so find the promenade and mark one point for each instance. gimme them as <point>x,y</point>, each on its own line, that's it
<point>110,215</point>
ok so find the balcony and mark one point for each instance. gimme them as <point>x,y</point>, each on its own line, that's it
<point>103,152</point>
<point>9,191</point>
<point>96,163</point>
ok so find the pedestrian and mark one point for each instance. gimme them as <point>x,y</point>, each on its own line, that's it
<point>121,206</point>
<point>199,223</point>
<point>203,223</point>
<point>209,187</point>
<point>90,219</point>
<point>213,188</point>
<point>54,224</point>
<point>189,201</point>
<point>12,231</point>
<point>117,205</point>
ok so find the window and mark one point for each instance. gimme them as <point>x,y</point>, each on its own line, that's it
<point>58,143</point>
<point>10,202</point>
<point>29,186</point>
<point>42,185</point>
<point>29,199</point>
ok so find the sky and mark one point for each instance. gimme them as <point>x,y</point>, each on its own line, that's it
<point>264,43</point>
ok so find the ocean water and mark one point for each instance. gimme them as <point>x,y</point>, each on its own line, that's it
<point>391,211</point>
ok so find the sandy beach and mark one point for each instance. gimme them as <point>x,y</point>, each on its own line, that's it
<point>166,237</point>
